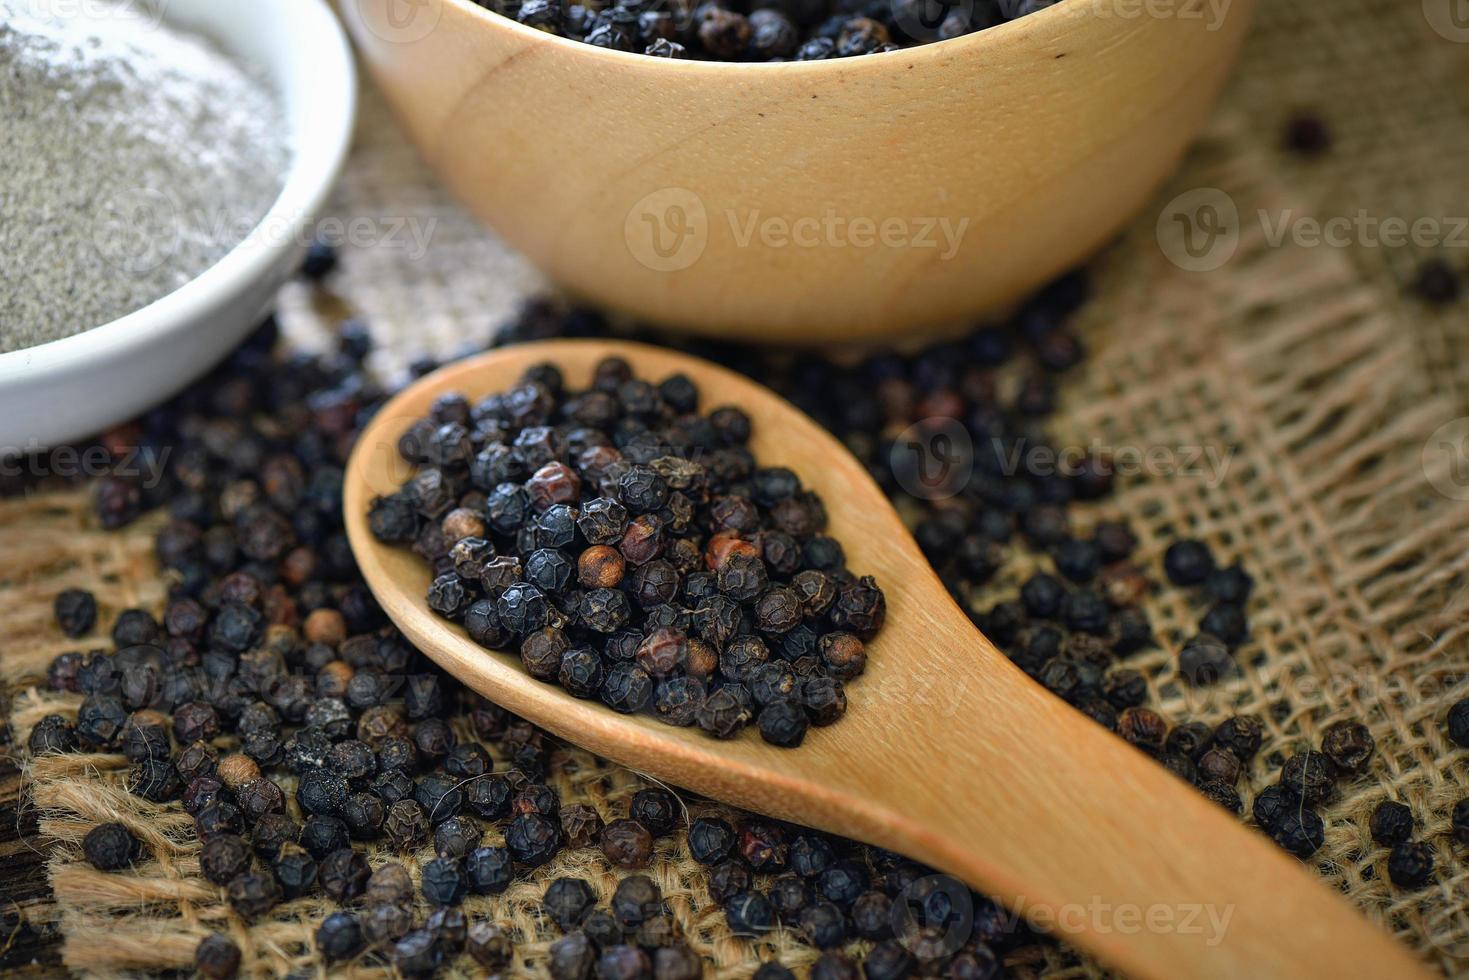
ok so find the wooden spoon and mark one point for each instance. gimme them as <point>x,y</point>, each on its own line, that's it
<point>948,753</point>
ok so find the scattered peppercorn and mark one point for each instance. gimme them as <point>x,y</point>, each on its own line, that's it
<point>76,612</point>
<point>1307,135</point>
<point>1436,283</point>
<point>1458,724</point>
<point>357,701</point>
<point>217,957</point>
<point>1391,823</point>
<point>110,847</point>
<point>1410,864</point>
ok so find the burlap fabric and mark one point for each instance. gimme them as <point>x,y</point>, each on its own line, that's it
<point>1290,398</point>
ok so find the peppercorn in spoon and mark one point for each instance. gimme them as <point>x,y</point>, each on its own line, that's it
<point>948,754</point>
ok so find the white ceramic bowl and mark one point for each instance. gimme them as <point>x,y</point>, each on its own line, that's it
<point>76,387</point>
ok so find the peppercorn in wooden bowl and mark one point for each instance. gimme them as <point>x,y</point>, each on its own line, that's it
<point>846,199</point>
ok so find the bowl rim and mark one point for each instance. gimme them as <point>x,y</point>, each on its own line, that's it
<point>1048,19</point>
<point>309,179</point>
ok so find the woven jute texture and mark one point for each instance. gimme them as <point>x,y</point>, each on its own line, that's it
<point>1287,407</point>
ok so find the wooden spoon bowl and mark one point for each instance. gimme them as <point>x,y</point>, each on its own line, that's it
<point>948,753</point>
<point>806,202</point>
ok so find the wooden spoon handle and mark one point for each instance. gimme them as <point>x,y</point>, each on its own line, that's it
<point>1009,789</point>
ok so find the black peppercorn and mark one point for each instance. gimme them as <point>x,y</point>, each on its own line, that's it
<point>444,881</point>
<point>624,963</point>
<point>1143,728</point>
<point>321,835</point>
<point>1459,821</point>
<point>727,879</point>
<point>1188,562</point>
<point>224,857</point>
<point>217,957</point>
<point>572,957</point>
<point>1392,823</point>
<point>271,832</point>
<point>1230,585</point>
<point>749,914</point>
<point>100,720</point>
<point>1300,831</point>
<point>1241,735</point>
<point>1309,776</point>
<point>568,901</point>
<point>418,954</point>
<point>488,870</point>
<point>872,915</point>
<point>656,809</point>
<point>831,965</point>
<point>456,837</point>
<point>1349,746</point>
<point>110,847</point>
<point>533,839</point>
<point>294,869</point>
<point>1270,807</point>
<point>51,734</point>
<point>253,895</point>
<point>1219,764</point>
<point>1458,723</point>
<point>490,947</point>
<point>339,937</point>
<point>783,723</point>
<point>344,874</point>
<point>627,844</point>
<point>76,612</point>
<point>1204,660</point>
<point>1436,282</point>
<point>1410,864</point>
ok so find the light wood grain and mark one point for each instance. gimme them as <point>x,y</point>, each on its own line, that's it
<point>948,753</point>
<point>1045,135</point>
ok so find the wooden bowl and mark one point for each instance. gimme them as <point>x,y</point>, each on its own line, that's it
<point>806,202</point>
